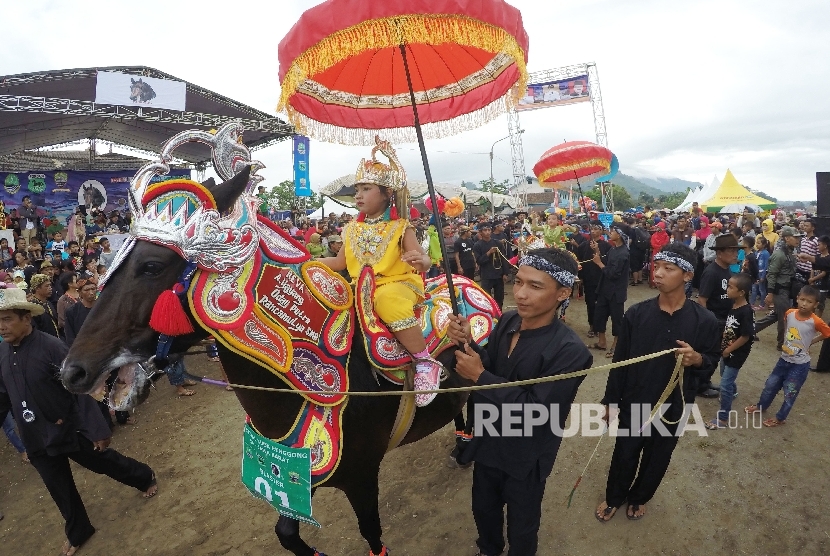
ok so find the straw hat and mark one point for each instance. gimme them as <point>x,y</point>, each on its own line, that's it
<point>15,298</point>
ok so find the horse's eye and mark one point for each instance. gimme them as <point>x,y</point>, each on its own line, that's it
<point>151,268</point>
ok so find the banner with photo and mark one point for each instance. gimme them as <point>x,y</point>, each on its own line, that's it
<point>302,185</point>
<point>555,93</point>
<point>139,90</point>
<point>57,194</point>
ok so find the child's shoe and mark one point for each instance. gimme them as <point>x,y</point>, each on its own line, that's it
<point>427,377</point>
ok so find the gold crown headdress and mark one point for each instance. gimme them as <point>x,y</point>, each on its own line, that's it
<point>391,176</point>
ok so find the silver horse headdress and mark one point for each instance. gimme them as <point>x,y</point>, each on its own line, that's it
<point>182,214</point>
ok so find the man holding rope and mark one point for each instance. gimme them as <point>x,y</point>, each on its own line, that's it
<point>668,321</point>
<point>513,462</point>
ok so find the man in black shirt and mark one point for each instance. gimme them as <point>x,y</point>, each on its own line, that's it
<point>449,241</point>
<point>511,469</point>
<point>77,313</point>
<point>491,262</point>
<point>56,426</point>
<point>591,272</point>
<point>464,258</point>
<point>612,290</point>
<point>712,295</point>
<point>668,321</point>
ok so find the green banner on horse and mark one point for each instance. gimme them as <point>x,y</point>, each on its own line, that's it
<point>278,474</point>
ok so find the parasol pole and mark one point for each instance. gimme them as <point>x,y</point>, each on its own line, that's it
<point>581,195</point>
<point>430,186</point>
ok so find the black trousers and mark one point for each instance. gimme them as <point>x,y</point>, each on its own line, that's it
<point>495,287</point>
<point>652,454</point>
<point>57,476</point>
<point>823,363</point>
<point>604,308</point>
<point>469,272</point>
<point>782,303</point>
<point>590,290</point>
<point>492,489</point>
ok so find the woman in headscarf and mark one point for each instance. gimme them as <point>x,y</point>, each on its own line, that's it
<point>658,239</point>
<point>768,230</point>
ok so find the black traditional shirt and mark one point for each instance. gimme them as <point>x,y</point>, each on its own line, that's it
<point>75,317</point>
<point>546,351</point>
<point>29,373</point>
<point>646,328</point>
<point>490,266</point>
<point>613,283</point>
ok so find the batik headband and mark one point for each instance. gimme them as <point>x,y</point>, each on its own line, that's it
<point>623,235</point>
<point>557,273</point>
<point>675,260</point>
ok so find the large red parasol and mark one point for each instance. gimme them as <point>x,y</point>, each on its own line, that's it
<point>344,78</point>
<point>353,69</point>
<point>573,162</point>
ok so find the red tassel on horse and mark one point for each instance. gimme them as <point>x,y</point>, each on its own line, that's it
<point>168,316</point>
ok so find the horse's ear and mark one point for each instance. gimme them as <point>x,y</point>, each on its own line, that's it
<point>209,183</point>
<point>228,192</point>
<point>132,80</point>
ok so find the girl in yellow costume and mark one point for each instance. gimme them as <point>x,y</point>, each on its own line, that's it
<point>381,239</point>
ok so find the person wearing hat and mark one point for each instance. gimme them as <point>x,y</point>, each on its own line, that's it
<point>55,425</point>
<point>383,239</point>
<point>491,261</point>
<point>335,244</point>
<point>712,295</point>
<point>780,282</point>
<point>40,289</point>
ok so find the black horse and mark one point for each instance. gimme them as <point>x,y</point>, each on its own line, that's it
<point>141,91</point>
<point>93,198</point>
<point>128,299</point>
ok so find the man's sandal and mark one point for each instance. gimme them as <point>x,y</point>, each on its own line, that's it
<point>750,409</point>
<point>773,423</point>
<point>631,511</point>
<point>604,515</point>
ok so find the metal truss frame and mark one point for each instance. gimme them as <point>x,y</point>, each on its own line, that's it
<point>513,125</point>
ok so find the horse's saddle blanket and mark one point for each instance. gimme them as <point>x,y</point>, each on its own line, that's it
<point>296,318</point>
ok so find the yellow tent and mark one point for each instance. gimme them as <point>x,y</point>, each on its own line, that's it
<point>731,192</point>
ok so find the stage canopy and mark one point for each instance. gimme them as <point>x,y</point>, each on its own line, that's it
<point>114,104</point>
<point>731,192</point>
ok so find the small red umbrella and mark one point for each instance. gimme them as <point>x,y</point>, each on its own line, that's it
<point>569,163</point>
<point>573,162</point>
<point>403,69</point>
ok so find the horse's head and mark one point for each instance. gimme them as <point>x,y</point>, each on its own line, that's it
<point>136,88</point>
<point>116,335</point>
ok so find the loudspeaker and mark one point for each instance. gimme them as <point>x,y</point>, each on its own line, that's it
<point>823,193</point>
<point>822,225</point>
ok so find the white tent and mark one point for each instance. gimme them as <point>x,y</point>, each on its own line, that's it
<point>342,189</point>
<point>701,195</point>
<point>688,199</point>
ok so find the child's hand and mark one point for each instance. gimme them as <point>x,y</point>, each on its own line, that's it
<point>417,259</point>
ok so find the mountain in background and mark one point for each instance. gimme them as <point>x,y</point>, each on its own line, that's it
<point>653,186</point>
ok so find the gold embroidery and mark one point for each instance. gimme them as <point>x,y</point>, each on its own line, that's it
<point>368,242</point>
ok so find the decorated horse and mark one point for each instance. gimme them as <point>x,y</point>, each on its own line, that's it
<point>201,261</point>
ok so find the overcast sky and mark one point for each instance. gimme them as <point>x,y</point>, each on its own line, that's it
<point>689,89</point>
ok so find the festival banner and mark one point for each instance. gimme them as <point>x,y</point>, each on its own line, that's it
<point>555,93</point>
<point>139,90</point>
<point>302,185</point>
<point>278,474</point>
<point>58,194</point>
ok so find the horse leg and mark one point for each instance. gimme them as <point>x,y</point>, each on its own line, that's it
<point>363,497</point>
<point>288,532</point>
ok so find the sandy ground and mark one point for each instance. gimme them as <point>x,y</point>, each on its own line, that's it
<point>743,491</point>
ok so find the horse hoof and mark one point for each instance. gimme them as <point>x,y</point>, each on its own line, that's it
<point>317,552</point>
